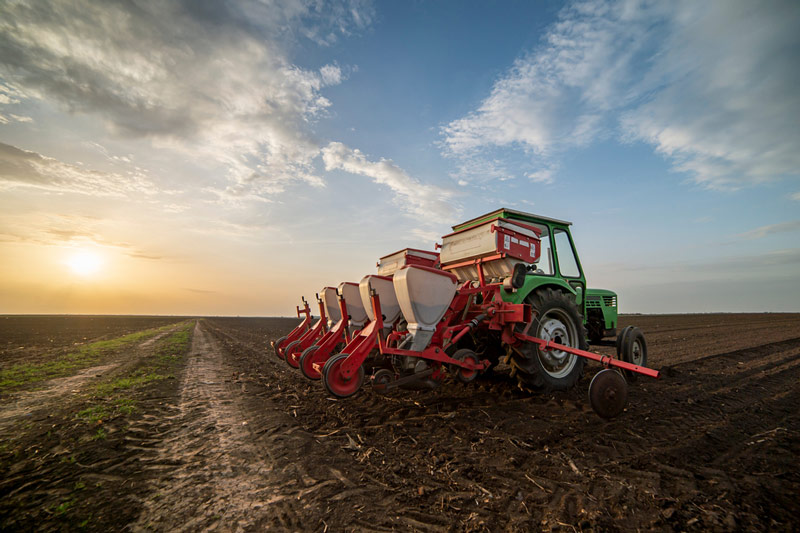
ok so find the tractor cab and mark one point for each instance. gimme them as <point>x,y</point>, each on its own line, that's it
<point>553,264</point>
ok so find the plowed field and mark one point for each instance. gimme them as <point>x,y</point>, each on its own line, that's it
<point>214,432</point>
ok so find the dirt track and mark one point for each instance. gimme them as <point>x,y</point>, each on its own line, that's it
<point>242,442</point>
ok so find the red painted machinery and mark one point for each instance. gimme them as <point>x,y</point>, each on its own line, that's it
<point>352,317</point>
<point>440,311</point>
<point>365,341</point>
<point>507,288</point>
<point>296,333</point>
<point>311,335</point>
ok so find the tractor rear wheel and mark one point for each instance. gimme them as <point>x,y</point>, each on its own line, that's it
<point>277,346</point>
<point>556,317</point>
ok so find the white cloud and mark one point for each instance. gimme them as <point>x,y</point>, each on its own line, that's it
<point>10,94</point>
<point>481,169</point>
<point>331,75</point>
<point>14,118</point>
<point>711,85</point>
<point>555,96</point>
<point>727,110</point>
<point>211,80</point>
<point>62,230</point>
<point>763,231</point>
<point>543,176</point>
<point>427,203</point>
<point>796,196</point>
<point>21,168</point>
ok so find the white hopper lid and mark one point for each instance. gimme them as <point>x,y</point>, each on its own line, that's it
<point>389,264</point>
<point>424,294</point>
<point>355,307</point>
<point>331,302</point>
<point>385,288</point>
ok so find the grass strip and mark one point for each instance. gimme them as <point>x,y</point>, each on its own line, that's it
<point>112,398</point>
<point>25,373</point>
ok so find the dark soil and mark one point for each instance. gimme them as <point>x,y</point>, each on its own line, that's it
<point>240,441</point>
<point>24,338</point>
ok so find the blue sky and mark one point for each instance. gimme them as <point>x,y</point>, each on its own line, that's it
<point>228,157</point>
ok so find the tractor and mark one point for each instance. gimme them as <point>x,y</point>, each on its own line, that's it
<point>506,287</point>
<point>565,310</point>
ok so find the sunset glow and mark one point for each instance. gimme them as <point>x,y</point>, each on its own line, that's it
<point>85,263</point>
<point>231,157</point>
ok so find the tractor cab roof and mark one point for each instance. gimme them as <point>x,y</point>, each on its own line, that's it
<point>512,214</point>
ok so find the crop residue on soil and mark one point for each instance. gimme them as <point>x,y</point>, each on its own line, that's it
<point>237,440</point>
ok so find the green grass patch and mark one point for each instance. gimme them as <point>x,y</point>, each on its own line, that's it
<point>125,406</point>
<point>128,382</point>
<point>63,507</point>
<point>114,397</point>
<point>94,414</point>
<point>90,354</point>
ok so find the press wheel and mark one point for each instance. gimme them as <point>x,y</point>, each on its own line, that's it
<point>608,393</point>
<point>465,375</point>
<point>335,383</point>
<point>307,361</point>
<point>289,355</point>
<point>277,346</point>
<point>381,378</point>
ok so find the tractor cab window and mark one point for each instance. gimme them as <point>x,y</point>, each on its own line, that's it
<point>545,264</point>
<point>566,257</point>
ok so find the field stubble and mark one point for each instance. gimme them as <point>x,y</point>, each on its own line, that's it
<point>240,441</point>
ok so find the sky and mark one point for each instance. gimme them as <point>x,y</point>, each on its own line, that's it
<point>202,157</point>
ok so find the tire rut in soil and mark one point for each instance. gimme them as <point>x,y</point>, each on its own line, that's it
<point>487,457</point>
<point>232,460</point>
<point>753,351</point>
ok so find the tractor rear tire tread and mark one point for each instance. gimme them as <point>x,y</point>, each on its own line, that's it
<point>526,366</point>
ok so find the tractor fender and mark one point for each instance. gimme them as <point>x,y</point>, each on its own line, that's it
<point>533,283</point>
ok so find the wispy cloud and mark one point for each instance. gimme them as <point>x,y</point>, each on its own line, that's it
<point>200,291</point>
<point>426,202</point>
<point>763,231</point>
<point>710,85</point>
<point>21,168</point>
<point>67,231</point>
<point>210,79</point>
<point>726,103</point>
<point>544,176</point>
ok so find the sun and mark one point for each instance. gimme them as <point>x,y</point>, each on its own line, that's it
<point>84,263</point>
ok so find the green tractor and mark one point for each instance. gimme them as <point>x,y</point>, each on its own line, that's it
<point>564,309</point>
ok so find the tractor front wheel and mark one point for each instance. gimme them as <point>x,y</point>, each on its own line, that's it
<point>555,318</point>
<point>335,383</point>
<point>632,348</point>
